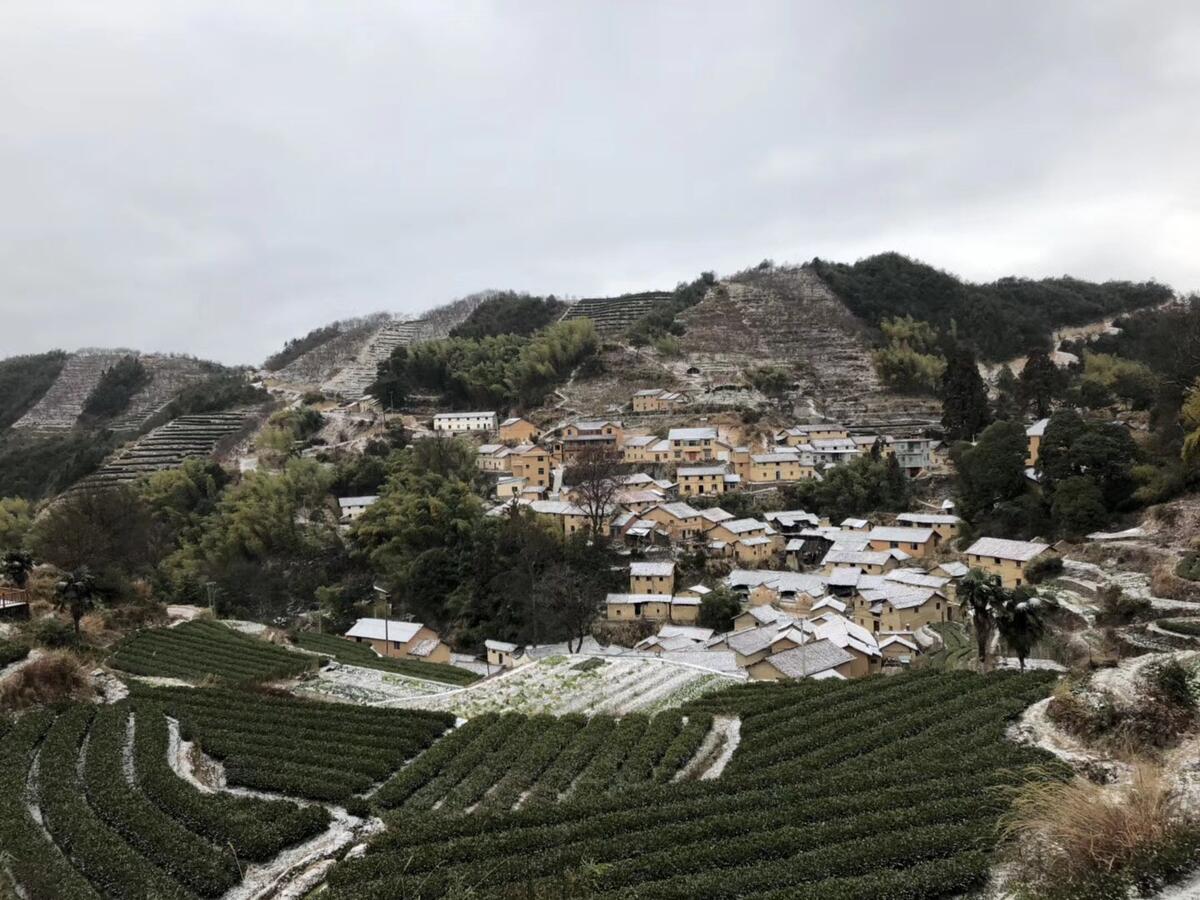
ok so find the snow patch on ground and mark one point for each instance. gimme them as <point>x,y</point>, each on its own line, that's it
<point>11,670</point>
<point>731,730</point>
<point>372,687</point>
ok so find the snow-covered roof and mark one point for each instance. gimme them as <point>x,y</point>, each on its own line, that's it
<point>901,535</point>
<point>810,659</point>
<point>741,526</point>
<point>1038,428</point>
<point>621,599</point>
<point>844,576</point>
<point>500,646</point>
<point>838,556</point>
<point>692,434</point>
<point>700,471</point>
<point>715,514</point>
<point>462,415</point>
<point>791,517</point>
<point>855,523</point>
<point>424,648</point>
<point>679,510</point>
<point>651,569</point>
<point>680,600</point>
<point>691,632</point>
<point>555,508</point>
<point>698,589</point>
<point>955,569</point>
<point>384,630</point>
<point>896,639</point>
<point>928,519</point>
<point>917,578</point>
<point>1001,548</point>
<point>355,502</point>
<point>780,456</point>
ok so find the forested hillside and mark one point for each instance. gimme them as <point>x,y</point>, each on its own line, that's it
<point>1003,319</point>
<point>509,313</point>
<point>23,381</point>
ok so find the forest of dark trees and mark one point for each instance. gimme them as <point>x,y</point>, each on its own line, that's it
<point>1002,319</point>
<point>509,313</point>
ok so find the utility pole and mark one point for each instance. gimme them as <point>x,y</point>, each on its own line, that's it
<point>386,600</point>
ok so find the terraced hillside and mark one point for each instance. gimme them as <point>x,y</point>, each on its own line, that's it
<point>199,651</point>
<point>60,407</point>
<point>345,365</point>
<point>612,316</point>
<point>788,316</point>
<point>880,787</point>
<point>167,446</point>
<point>92,805</point>
<point>169,375</point>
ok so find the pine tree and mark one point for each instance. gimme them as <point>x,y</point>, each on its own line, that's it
<point>1040,382</point>
<point>964,398</point>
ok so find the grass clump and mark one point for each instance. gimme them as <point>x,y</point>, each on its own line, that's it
<point>50,679</point>
<point>1076,840</point>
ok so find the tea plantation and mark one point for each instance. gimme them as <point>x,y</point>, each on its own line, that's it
<point>199,650</point>
<point>882,787</point>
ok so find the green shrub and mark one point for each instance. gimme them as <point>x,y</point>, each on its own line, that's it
<point>1043,568</point>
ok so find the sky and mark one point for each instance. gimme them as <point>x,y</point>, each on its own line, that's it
<point>214,178</point>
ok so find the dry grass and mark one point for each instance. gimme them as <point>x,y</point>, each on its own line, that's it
<point>1077,839</point>
<point>53,678</point>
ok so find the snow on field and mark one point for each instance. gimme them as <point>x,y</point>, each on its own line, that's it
<point>371,687</point>
<point>557,685</point>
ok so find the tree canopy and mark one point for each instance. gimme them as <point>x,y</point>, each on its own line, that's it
<point>1001,320</point>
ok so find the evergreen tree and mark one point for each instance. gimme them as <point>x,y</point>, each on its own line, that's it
<point>1040,382</point>
<point>964,398</point>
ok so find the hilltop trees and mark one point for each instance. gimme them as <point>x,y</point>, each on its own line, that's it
<point>910,361</point>
<point>16,518</point>
<point>492,372</point>
<point>965,409</point>
<point>509,312</point>
<point>116,387</point>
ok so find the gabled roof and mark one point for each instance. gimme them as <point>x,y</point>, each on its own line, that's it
<point>651,569</point>
<point>855,523</point>
<point>692,434</point>
<point>513,420</point>
<point>716,515</point>
<point>1020,551</point>
<point>500,646</point>
<point>916,578</point>
<point>1038,428</point>
<point>791,517</point>
<point>384,630</point>
<point>347,502</point>
<point>700,471</point>
<point>679,510</point>
<point>619,599</point>
<point>741,526</point>
<point>809,659</point>
<point>555,508</point>
<point>463,415</point>
<point>837,556</point>
<point>955,569</point>
<point>928,519</point>
<point>844,576</point>
<point>901,535</point>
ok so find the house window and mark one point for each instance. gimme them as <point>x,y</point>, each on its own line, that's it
<point>396,644</point>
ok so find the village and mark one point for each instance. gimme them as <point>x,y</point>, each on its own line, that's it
<point>816,599</point>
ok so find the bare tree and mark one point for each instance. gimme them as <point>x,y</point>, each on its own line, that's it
<point>595,475</point>
<point>571,599</point>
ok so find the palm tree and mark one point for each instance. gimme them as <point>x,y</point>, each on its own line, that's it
<point>76,593</point>
<point>978,594</point>
<point>16,565</point>
<point>1021,620</point>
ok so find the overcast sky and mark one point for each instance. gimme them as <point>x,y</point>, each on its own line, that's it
<point>215,177</point>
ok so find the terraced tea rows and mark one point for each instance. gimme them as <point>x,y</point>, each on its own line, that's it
<point>354,654</point>
<point>198,650</point>
<point>612,316</point>
<point>320,751</point>
<point>561,685</point>
<point>60,407</point>
<point>881,787</point>
<point>497,762</point>
<point>167,446</point>
<point>90,808</point>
